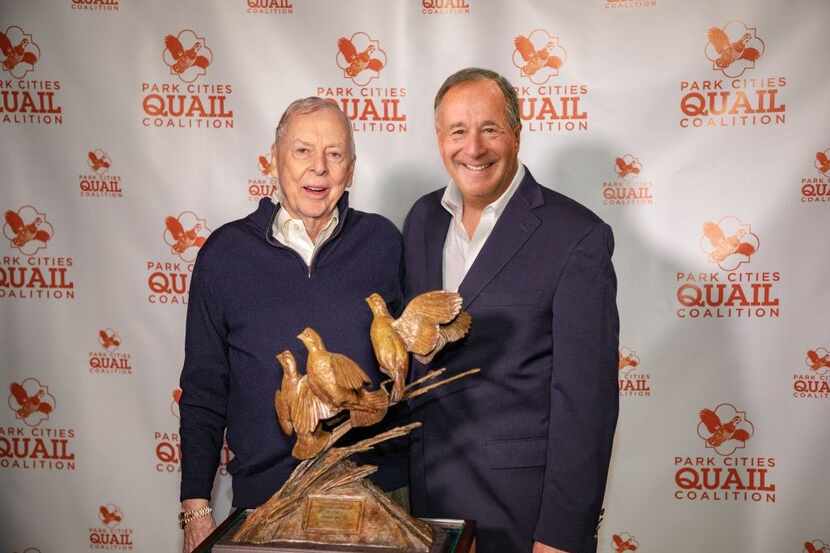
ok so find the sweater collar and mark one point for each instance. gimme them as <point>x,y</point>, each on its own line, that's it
<point>266,213</point>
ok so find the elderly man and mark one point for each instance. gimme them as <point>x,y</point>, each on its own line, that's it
<point>524,448</point>
<point>308,260</point>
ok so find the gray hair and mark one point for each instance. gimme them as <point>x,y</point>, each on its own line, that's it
<point>470,74</point>
<point>304,106</point>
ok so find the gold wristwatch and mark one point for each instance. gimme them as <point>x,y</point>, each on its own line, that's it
<point>186,516</point>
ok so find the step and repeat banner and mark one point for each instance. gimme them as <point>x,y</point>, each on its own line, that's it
<point>129,130</point>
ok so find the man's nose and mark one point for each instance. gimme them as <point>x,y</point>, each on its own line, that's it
<point>318,163</point>
<point>474,146</point>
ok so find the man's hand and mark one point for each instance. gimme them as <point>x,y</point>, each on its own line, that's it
<point>197,529</point>
<point>539,547</point>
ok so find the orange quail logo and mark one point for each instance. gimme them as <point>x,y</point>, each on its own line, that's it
<point>818,360</point>
<point>265,185</point>
<point>733,48</point>
<point>724,429</point>
<point>185,234</point>
<point>816,546</point>
<point>99,161</point>
<point>729,243</point>
<point>628,360</point>
<point>823,162</point>
<point>110,515</point>
<point>627,165</point>
<point>27,229</point>
<point>267,167</point>
<point>361,58</point>
<point>31,401</point>
<point>187,55</point>
<point>20,53</point>
<point>633,381</point>
<point>624,542</point>
<point>109,339</point>
<point>538,56</point>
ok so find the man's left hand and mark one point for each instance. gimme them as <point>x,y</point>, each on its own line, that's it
<point>539,547</point>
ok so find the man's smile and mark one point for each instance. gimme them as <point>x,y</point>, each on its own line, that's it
<point>315,191</point>
<point>477,168</point>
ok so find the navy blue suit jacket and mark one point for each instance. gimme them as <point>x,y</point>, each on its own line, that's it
<point>523,448</point>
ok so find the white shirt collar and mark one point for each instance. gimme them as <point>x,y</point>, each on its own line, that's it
<point>284,222</point>
<point>293,234</point>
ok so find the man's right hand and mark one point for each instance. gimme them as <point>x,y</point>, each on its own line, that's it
<point>197,529</point>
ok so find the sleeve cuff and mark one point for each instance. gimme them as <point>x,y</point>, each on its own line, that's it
<point>196,488</point>
<point>566,530</point>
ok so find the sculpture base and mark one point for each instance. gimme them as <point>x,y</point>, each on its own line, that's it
<point>329,505</point>
<point>449,536</point>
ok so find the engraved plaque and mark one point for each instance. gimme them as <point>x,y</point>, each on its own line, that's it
<point>333,514</point>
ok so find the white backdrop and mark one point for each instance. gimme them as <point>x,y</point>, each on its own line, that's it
<point>719,205</point>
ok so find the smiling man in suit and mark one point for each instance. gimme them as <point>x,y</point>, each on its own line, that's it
<point>523,448</point>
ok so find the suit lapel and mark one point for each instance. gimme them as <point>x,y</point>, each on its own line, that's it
<point>516,224</point>
<point>435,236</point>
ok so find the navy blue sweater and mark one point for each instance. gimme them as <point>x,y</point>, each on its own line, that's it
<point>249,298</point>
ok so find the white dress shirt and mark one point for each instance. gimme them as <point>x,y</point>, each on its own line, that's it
<point>292,233</point>
<point>460,251</point>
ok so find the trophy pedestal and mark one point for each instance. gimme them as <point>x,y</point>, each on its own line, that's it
<point>449,536</point>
